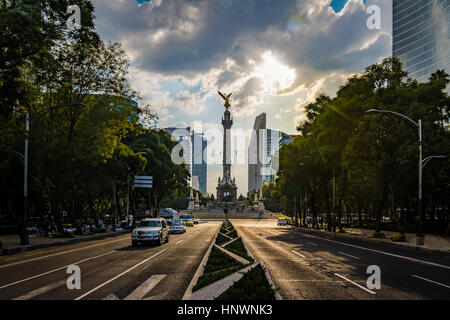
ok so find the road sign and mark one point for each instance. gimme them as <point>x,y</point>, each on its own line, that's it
<point>145,182</point>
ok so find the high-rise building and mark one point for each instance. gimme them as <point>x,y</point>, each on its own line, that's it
<point>262,153</point>
<point>199,165</point>
<point>183,135</point>
<point>194,146</point>
<point>421,36</point>
<point>254,154</point>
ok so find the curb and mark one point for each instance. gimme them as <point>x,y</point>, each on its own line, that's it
<point>233,255</point>
<point>331,235</point>
<point>11,251</point>
<point>200,269</point>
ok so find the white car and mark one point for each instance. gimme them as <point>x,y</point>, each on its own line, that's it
<point>150,230</point>
<point>282,222</point>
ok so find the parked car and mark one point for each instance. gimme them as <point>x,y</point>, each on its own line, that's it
<point>195,221</point>
<point>69,228</point>
<point>282,222</point>
<point>177,227</point>
<point>150,230</point>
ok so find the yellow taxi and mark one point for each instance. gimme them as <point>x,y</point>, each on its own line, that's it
<point>189,223</point>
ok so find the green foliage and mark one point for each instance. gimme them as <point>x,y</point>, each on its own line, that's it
<point>372,157</point>
<point>398,237</point>
<point>378,235</point>
<point>208,278</point>
<point>218,260</point>
<point>221,239</point>
<point>238,248</point>
<point>252,286</point>
<point>65,234</point>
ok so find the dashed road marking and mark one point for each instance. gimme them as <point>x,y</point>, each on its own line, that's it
<point>348,255</point>
<point>54,270</point>
<point>354,283</point>
<point>298,253</point>
<point>58,253</point>
<point>119,275</point>
<point>40,291</point>
<point>145,288</point>
<point>312,243</point>
<point>435,282</point>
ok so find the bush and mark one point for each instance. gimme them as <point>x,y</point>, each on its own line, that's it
<point>237,247</point>
<point>64,234</point>
<point>341,231</point>
<point>208,278</point>
<point>378,235</point>
<point>218,260</point>
<point>221,239</point>
<point>252,286</point>
<point>99,230</point>
<point>233,234</point>
<point>398,237</point>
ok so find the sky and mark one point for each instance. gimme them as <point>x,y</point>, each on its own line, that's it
<point>275,56</point>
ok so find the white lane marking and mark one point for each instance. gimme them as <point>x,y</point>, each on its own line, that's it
<point>145,288</point>
<point>42,290</point>
<point>111,296</point>
<point>382,252</point>
<point>435,282</point>
<point>119,275</point>
<point>54,270</point>
<point>179,241</point>
<point>348,255</point>
<point>298,254</point>
<point>356,284</point>
<point>58,253</point>
<point>313,244</point>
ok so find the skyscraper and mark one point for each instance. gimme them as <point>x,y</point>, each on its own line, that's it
<point>421,34</point>
<point>254,151</point>
<point>199,166</point>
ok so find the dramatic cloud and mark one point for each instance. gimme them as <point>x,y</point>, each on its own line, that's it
<point>274,55</point>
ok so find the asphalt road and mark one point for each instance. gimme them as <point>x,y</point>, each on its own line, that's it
<point>303,266</point>
<point>111,269</point>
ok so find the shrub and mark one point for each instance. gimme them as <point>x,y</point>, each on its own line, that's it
<point>221,239</point>
<point>65,234</point>
<point>208,278</point>
<point>98,230</point>
<point>233,234</point>
<point>218,260</point>
<point>398,237</point>
<point>378,235</point>
<point>341,231</point>
<point>252,286</point>
<point>237,247</point>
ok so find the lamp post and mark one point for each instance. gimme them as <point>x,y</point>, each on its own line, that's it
<point>419,237</point>
<point>24,239</point>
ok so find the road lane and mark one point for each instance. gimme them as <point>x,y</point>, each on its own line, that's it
<point>178,262</point>
<point>326,259</point>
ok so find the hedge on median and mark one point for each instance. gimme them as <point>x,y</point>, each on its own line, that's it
<point>237,247</point>
<point>217,261</point>
<point>252,286</point>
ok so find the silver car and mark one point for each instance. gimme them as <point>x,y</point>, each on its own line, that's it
<point>177,227</point>
<point>150,230</point>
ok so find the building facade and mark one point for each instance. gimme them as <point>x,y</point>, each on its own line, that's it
<point>421,34</point>
<point>199,165</point>
<point>263,153</point>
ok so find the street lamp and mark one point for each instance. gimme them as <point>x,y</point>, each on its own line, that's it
<point>24,240</point>
<point>419,237</point>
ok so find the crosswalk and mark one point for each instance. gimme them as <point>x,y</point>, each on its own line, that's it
<point>139,293</point>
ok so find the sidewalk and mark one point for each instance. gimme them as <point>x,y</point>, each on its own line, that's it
<point>433,243</point>
<point>11,243</point>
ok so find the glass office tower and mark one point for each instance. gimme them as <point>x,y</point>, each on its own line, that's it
<point>421,34</point>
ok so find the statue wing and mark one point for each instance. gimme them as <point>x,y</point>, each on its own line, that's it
<point>228,96</point>
<point>223,97</point>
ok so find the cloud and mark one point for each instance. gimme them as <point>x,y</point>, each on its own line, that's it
<point>183,51</point>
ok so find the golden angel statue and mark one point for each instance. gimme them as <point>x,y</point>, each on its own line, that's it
<point>226,98</point>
